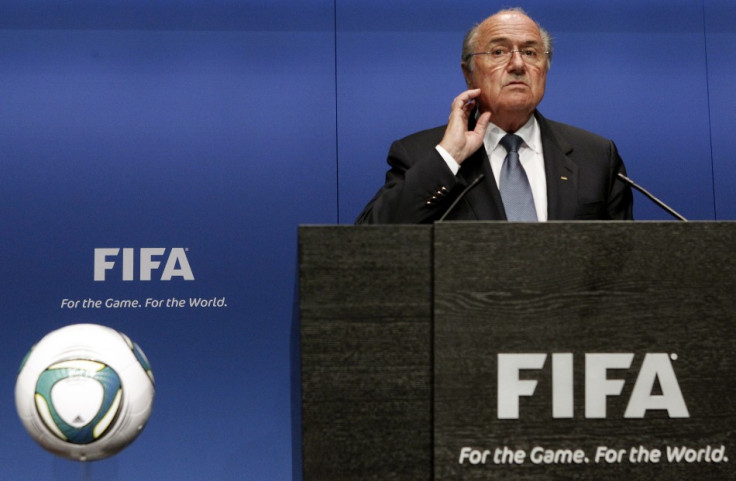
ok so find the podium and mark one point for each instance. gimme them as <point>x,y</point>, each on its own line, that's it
<point>601,350</point>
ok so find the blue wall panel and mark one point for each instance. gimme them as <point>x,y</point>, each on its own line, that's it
<point>204,133</point>
<point>398,69</point>
<point>641,83</point>
<point>721,60</point>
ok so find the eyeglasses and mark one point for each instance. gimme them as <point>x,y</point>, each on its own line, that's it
<point>501,55</point>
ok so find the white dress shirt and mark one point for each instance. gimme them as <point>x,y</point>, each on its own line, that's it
<point>530,156</point>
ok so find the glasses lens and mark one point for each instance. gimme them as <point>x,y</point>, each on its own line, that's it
<point>530,55</point>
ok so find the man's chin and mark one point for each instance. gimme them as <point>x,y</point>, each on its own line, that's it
<point>520,104</point>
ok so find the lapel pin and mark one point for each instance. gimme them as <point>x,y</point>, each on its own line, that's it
<point>563,178</point>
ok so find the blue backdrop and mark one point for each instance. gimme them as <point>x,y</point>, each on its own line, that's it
<point>219,126</point>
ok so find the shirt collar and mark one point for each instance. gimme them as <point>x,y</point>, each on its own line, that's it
<point>529,133</point>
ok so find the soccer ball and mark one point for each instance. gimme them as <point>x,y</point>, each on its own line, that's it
<point>84,392</point>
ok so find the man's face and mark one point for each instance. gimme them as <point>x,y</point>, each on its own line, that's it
<point>514,86</point>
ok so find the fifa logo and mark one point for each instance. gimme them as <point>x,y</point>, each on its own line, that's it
<point>656,375</point>
<point>150,259</point>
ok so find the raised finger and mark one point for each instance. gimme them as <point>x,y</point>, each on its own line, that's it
<point>465,97</point>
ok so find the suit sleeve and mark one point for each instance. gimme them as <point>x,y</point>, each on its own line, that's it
<point>620,199</point>
<point>419,186</point>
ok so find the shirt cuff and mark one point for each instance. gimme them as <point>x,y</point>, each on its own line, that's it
<point>451,163</point>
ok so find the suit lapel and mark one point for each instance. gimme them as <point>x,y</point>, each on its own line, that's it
<point>484,201</point>
<point>561,173</point>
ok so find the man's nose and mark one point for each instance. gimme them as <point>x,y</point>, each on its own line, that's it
<point>516,62</point>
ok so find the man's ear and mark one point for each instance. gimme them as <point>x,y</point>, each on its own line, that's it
<point>467,73</point>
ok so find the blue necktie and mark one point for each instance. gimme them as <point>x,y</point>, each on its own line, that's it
<point>514,184</point>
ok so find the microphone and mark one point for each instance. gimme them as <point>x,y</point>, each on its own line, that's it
<point>459,197</point>
<point>661,204</point>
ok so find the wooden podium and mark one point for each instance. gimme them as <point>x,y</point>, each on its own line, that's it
<point>515,351</point>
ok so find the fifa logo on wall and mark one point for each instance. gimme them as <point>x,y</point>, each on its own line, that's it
<point>142,264</point>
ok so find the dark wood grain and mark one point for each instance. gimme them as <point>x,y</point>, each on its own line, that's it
<point>366,370</point>
<point>584,288</point>
<point>370,350</point>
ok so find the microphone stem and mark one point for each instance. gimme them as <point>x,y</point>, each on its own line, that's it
<point>459,197</point>
<point>651,197</point>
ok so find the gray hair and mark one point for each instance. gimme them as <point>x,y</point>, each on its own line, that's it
<point>470,39</point>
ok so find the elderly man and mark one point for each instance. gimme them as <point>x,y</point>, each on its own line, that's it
<point>498,158</point>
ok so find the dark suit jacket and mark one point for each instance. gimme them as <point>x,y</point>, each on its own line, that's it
<point>580,168</point>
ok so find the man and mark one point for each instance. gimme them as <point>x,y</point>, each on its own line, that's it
<point>469,170</point>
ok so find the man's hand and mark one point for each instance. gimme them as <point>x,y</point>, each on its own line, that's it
<point>458,141</point>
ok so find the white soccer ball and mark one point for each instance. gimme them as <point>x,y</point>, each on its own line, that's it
<point>84,392</point>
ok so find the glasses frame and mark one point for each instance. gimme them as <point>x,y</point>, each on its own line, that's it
<point>506,57</point>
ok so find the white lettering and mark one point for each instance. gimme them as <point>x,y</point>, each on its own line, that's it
<point>147,262</point>
<point>656,366</point>
<point>214,302</point>
<point>597,385</point>
<point>473,456</point>
<point>656,369</point>
<point>609,455</point>
<point>69,304</point>
<point>101,262</point>
<point>510,386</point>
<point>122,303</point>
<point>707,454</point>
<point>540,455</point>
<point>177,256</point>
<point>562,385</point>
<point>150,260</point>
<point>128,264</point>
